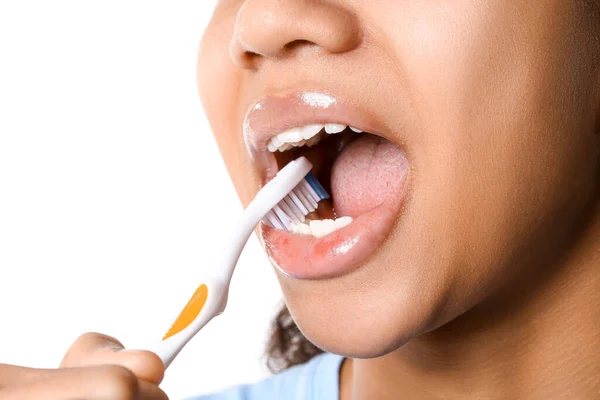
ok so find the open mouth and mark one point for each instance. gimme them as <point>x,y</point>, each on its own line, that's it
<point>321,144</point>
<point>363,172</point>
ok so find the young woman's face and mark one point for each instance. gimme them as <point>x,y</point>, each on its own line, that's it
<point>479,163</point>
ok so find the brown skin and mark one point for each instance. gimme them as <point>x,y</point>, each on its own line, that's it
<point>488,285</point>
<point>94,368</point>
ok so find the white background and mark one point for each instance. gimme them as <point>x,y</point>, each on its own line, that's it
<point>112,191</point>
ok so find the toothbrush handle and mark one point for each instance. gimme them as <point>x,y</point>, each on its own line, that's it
<point>211,297</point>
<point>208,301</point>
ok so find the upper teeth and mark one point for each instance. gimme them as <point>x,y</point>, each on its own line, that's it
<point>308,135</point>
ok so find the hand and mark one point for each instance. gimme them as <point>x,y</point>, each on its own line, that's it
<point>96,367</point>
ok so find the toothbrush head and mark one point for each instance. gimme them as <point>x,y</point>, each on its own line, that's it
<point>301,200</point>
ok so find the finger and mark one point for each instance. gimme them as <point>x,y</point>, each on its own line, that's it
<point>146,365</point>
<point>89,344</point>
<point>12,374</point>
<point>98,349</point>
<point>90,383</point>
<point>151,391</point>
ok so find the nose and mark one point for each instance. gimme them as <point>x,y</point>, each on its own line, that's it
<point>270,29</point>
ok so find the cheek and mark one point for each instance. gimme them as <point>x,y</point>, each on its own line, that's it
<point>493,135</point>
<point>504,159</point>
<point>507,163</point>
<point>219,86</point>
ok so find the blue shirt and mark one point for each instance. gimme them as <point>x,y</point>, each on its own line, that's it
<point>318,379</point>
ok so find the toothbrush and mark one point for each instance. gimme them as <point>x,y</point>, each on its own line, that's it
<point>286,199</point>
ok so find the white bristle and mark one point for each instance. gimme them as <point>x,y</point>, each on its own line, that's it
<point>310,190</point>
<point>288,211</point>
<point>292,210</point>
<point>296,200</point>
<point>267,222</point>
<point>309,197</point>
<point>285,220</point>
<point>304,200</point>
<point>274,221</point>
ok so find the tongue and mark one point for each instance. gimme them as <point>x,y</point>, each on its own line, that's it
<point>367,173</point>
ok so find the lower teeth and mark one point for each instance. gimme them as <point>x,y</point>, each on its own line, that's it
<point>320,228</point>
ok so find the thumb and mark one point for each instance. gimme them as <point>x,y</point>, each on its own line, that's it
<point>98,349</point>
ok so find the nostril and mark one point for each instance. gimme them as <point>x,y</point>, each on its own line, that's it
<point>298,43</point>
<point>250,60</point>
<point>242,56</point>
<point>250,57</point>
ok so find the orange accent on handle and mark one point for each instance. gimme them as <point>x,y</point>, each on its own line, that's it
<point>190,312</point>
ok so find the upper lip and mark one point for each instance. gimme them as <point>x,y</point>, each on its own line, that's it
<point>275,114</point>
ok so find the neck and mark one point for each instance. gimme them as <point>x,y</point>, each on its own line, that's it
<point>541,340</point>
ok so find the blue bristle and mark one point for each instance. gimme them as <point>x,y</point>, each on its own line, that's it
<point>314,183</point>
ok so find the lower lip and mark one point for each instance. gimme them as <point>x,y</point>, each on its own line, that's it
<point>339,253</point>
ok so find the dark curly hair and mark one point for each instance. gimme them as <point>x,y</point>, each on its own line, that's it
<point>288,346</point>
